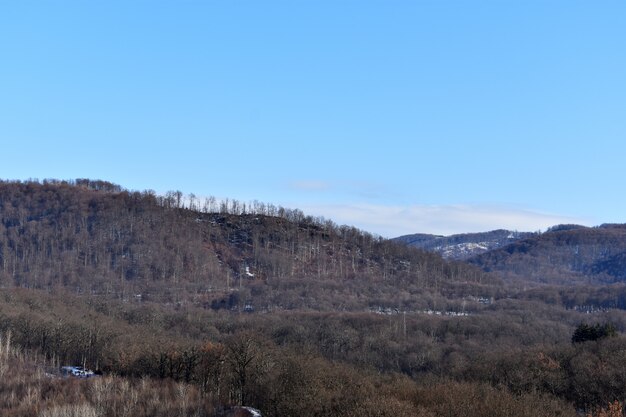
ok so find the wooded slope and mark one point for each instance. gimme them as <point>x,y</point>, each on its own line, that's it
<point>566,254</point>
<point>94,237</point>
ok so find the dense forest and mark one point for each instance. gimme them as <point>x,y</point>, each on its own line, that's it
<point>190,307</point>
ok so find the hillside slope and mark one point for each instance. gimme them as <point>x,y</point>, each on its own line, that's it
<point>564,254</point>
<point>94,237</point>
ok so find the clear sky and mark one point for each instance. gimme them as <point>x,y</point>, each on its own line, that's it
<point>394,116</point>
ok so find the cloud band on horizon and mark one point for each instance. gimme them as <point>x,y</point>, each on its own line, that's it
<point>392,221</point>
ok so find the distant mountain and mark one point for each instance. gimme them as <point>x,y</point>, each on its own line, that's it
<point>565,254</point>
<point>463,246</point>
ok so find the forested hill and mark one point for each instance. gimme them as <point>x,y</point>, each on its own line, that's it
<point>157,290</point>
<point>565,254</point>
<point>94,237</point>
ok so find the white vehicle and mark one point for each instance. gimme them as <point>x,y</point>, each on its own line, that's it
<point>77,371</point>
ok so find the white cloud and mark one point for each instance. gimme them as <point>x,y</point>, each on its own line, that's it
<point>309,185</point>
<point>392,221</point>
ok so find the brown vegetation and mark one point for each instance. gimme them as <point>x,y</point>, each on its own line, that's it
<point>92,238</point>
<point>189,308</point>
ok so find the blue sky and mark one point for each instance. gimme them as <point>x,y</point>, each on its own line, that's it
<point>396,117</point>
